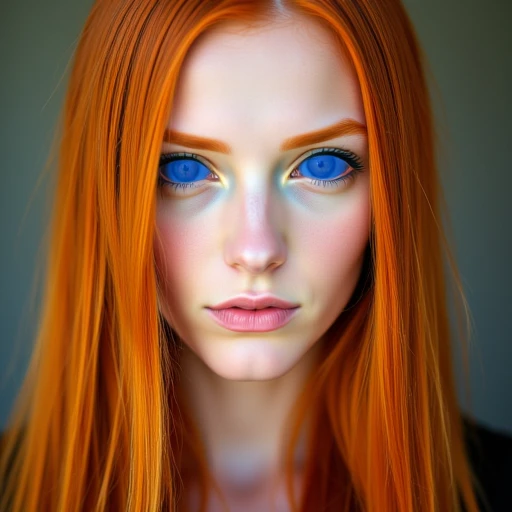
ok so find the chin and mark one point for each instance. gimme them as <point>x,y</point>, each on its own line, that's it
<point>250,372</point>
<point>252,361</point>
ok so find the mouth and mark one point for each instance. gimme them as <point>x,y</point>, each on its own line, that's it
<point>255,302</point>
<point>255,309</point>
<point>242,319</point>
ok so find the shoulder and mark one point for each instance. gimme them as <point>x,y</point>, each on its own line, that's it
<point>490,454</point>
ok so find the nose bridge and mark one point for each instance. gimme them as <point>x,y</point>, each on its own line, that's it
<point>255,241</point>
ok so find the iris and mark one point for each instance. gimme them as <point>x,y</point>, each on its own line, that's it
<point>323,167</point>
<point>184,170</point>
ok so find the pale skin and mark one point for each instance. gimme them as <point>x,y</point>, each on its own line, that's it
<point>256,225</point>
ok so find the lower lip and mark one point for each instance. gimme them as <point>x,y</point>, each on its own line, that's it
<point>251,320</point>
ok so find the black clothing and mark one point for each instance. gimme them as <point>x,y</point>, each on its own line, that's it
<point>490,454</point>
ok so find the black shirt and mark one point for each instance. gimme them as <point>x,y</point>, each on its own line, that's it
<point>490,454</point>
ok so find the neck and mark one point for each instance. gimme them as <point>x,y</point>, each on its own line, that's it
<point>243,424</point>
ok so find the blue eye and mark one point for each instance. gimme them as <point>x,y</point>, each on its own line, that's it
<point>329,166</point>
<point>181,170</point>
<point>323,167</point>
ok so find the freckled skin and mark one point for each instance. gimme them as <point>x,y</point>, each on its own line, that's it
<point>256,228</point>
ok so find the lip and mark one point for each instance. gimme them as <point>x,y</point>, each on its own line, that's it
<point>255,302</point>
<point>246,313</point>
<point>252,320</point>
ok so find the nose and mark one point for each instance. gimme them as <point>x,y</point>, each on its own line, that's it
<point>254,243</point>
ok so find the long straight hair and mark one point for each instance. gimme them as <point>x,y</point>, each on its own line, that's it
<point>98,426</point>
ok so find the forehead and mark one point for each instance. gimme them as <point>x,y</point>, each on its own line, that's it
<point>269,81</point>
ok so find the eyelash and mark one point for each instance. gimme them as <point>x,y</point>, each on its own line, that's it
<point>350,158</point>
<point>169,157</point>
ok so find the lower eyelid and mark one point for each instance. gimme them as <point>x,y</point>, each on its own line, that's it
<point>333,182</point>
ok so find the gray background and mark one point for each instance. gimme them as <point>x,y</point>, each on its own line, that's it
<point>468,44</point>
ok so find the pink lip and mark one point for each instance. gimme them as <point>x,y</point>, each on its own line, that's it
<point>246,313</point>
<point>252,320</point>
<point>255,302</point>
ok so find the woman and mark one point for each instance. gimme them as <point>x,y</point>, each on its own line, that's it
<point>245,300</point>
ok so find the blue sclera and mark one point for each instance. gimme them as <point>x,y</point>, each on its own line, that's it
<point>184,170</point>
<point>323,167</point>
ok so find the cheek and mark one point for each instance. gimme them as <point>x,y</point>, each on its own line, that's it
<point>341,243</point>
<point>183,230</point>
<point>331,250</point>
<point>181,250</point>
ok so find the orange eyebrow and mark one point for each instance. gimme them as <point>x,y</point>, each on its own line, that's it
<point>345,127</point>
<point>196,142</point>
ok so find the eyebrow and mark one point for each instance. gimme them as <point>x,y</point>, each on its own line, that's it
<point>339,129</point>
<point>196,142</point>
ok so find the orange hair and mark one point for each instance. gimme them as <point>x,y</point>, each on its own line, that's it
<point>98,426</point>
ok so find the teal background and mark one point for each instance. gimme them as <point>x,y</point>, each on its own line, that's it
<point>469,46</point>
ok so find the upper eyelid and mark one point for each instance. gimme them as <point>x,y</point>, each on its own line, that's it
<point>194,156</point>
<point>184,155</point>
<point>326,149</point>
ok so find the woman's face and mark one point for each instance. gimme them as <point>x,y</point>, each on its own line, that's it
<point>265,193</point>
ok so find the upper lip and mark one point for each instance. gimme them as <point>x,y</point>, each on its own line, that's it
<point>255,302</point>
